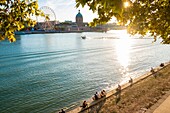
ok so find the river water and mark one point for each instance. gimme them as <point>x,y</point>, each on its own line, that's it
<point>42,73</point>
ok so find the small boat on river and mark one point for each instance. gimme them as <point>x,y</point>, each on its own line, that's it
<point>83,37</point>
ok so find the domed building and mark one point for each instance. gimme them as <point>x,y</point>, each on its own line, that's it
<point>79,19</point>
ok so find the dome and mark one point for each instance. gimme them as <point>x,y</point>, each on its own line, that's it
<point>79,15</point>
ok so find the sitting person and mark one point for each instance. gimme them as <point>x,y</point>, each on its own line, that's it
<point>96,96</point>
<point>103,93</point>
<point>62,111</point>
<point>152,70</point>
<point>162,65</point>
<point>118,89</point>
<point>84,104</point>
<point>131,80</point>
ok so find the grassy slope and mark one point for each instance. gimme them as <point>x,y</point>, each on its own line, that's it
<point>139,96</point>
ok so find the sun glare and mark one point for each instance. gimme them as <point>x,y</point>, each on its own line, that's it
<point>126,4</point>
<point>123,47</point>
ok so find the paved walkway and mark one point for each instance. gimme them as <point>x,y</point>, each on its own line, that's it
<point>164,107</point>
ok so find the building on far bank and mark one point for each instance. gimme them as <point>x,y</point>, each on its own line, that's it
<point>77,26</point>
<point>79,19</point>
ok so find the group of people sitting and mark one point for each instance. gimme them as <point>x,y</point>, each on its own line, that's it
<point>95,97</point>
<point>101,95</point>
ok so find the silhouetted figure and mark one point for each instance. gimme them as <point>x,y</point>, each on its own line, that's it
<point>62,111</point>
<point>118,93</point>
<point>84,104</point>
<point>96,96</point>
<point>118,88</point>
<point>162,65</point>
<point>131,81</point>
<point>152,70</point>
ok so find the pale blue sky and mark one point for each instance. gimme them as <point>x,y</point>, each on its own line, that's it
<point>66,10</point>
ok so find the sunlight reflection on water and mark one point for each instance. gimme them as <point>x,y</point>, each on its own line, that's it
<point>123,47</point>
<point>46,72</point>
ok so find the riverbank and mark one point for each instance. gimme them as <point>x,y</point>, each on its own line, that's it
<point>50,31</point>
<point>138,97</point>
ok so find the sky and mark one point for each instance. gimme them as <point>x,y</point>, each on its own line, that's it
<point>66,10</point>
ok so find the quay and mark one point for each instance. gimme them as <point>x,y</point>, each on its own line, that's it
<point>98,105</point>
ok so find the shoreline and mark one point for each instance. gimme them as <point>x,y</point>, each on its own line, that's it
<point>49,32</point>
<point>124,86</point>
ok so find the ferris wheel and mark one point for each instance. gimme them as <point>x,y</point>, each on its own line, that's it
<point>47,24</point>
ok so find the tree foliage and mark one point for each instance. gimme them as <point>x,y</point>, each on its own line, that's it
<point>106,9</point>
<point>141,17</point>
<point>15,15</point>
